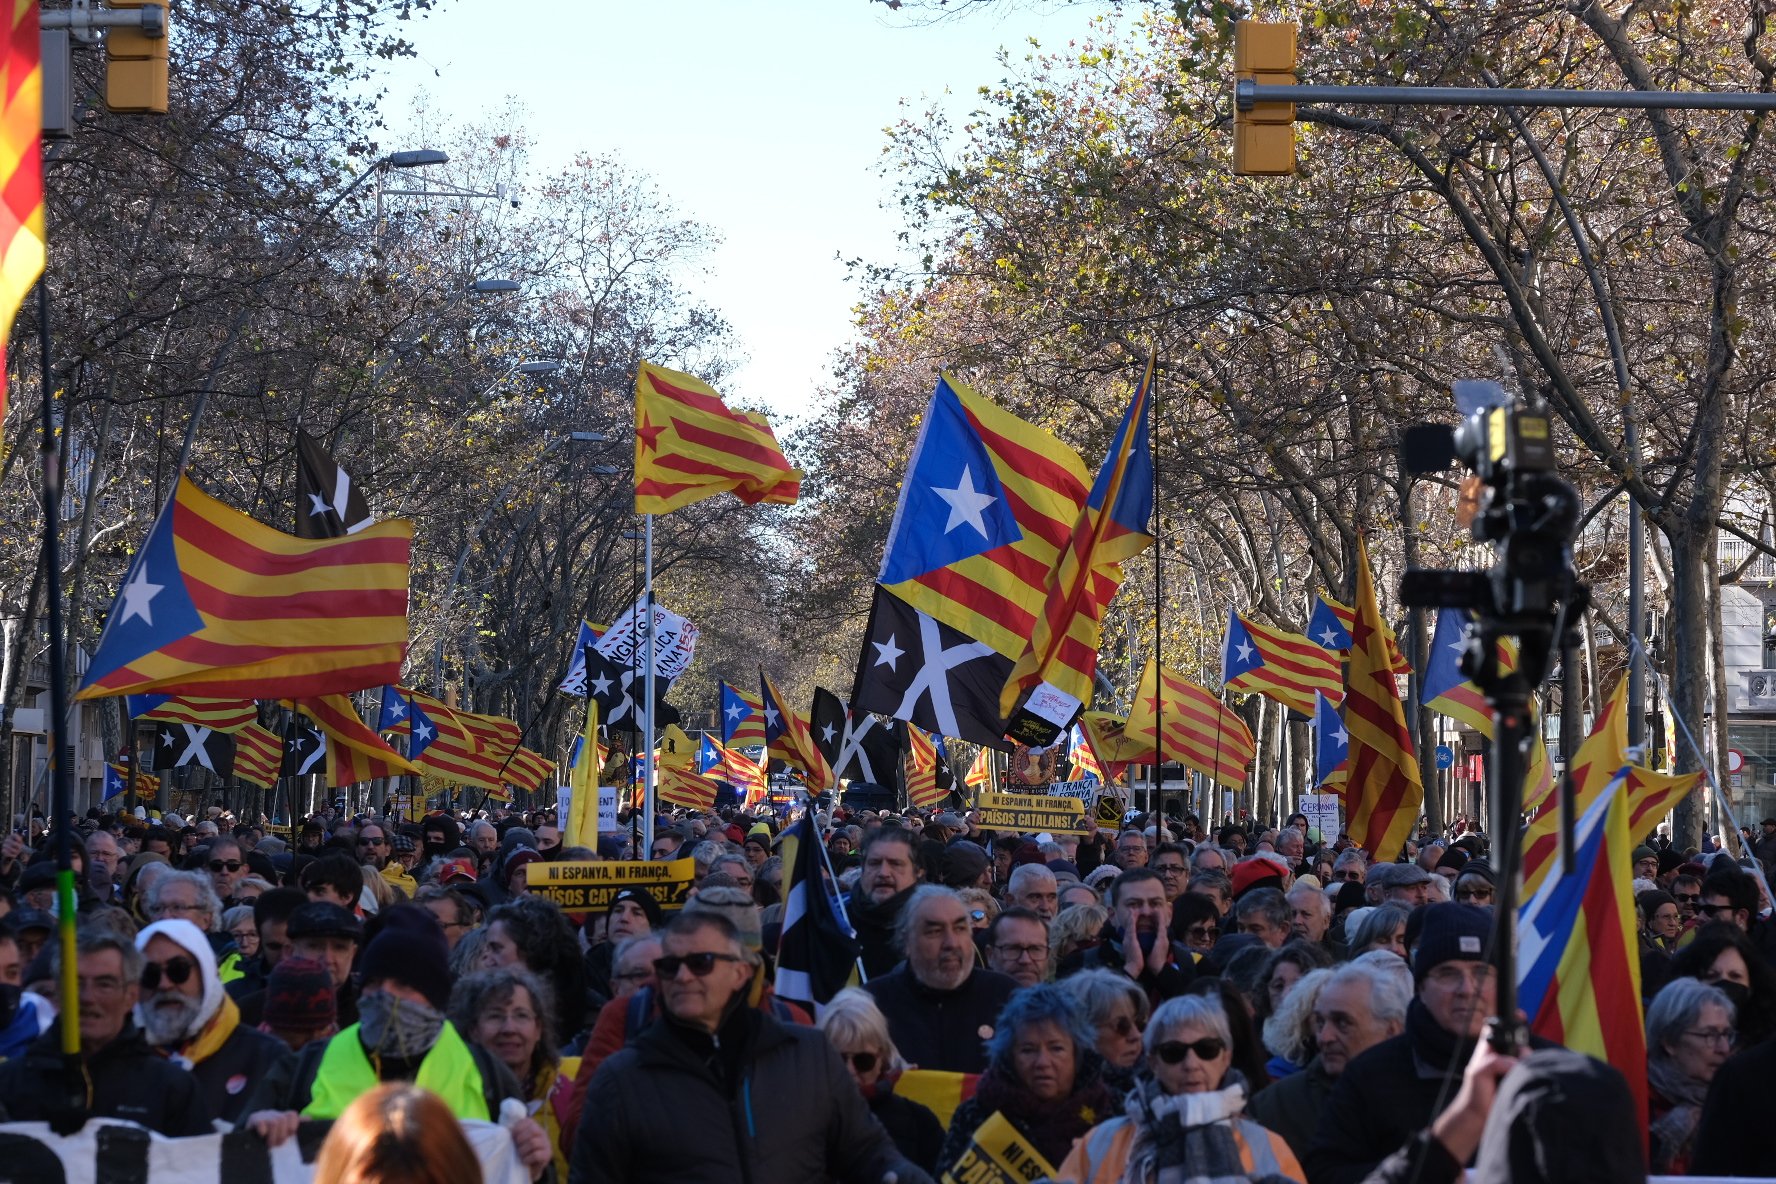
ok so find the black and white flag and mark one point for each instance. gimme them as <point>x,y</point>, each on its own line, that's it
<point>618,692</point>
<point>305,748</point>
<point>328,505</point>
<point>178,745</point>
<point>859,747</point>
<point>917,669</point>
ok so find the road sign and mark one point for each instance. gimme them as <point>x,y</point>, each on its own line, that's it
<point>1735,760</point>
<point>1445,757</point>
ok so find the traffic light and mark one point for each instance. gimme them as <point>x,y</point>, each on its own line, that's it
<point>1264,137</point>
<point>136,62</point>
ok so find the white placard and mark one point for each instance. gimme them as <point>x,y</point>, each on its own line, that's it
<point>675,640</point>
<point>607,809</point>
<point>1322,812</point>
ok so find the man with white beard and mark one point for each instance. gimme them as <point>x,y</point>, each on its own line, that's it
<point>185,1013</point>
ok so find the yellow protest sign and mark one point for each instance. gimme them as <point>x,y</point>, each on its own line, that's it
<point>587,887</point>
<point>1029,814</point>
<point>998,1154</point>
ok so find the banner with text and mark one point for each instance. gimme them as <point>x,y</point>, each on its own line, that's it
<point>1031,813</point>
<point>590,887</point>
<point>675,640</point>
<point>1085,791</point>
<point>998,1154</point>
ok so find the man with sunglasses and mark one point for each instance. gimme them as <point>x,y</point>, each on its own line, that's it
<point>227,864</point>
<point>184,1012</point>
<point>776,1095</point>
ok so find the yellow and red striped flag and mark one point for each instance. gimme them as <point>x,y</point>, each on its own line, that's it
<point>980,773</point>
<point>740,771</point>
<point>921,769</point>
<point>1284,666</point>
<point>1383,794</point>
<point>690,445</point>
<point>23,241</point>
<point>684,788</point>
<point>222,715</point>
<point>743,717</point>
<point>354,752</point>
<point>258,755</point>
<point>1114,525</point>
<point>789,738</point>
<point>1201,732</point>
<point>1330,628</point>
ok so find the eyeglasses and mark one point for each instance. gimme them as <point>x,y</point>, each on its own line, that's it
<point>1023,953</point>
<point>372,842</point>
<point>1714,910</point>
<point>243,934</point>
<point>1722,1036</point>
<point>1206,1049</point>
<point>1125,1026</point>
<point>1476,893</point>
<point>1203,932</point>
<point>228,865</point>
<point>701,963</point>
<point>1349,877</point>
<point>1451,974</point>
<point>977,915</point>
<point>1687,897</point>
<point>632,976</point>
<point>1168,869</point>
<point>193,910</point>
<point>863,1062</point>
<point>517,1016</point>
<point>177,971</point>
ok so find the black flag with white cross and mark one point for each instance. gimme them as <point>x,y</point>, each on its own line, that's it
<point>178,745</point>
<point>859,747</point>
<point>918,669</point>
<point>305,748</point>
<point>328,505</point>
<point>618,692</point>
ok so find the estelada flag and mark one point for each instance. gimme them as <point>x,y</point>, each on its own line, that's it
<point>690,445</point>
<point>216,604</point>
<point>23,241</point>
<point>921,769</point>
<point>1382,794</point>
<point>354,752</point>
<point>224,715</point>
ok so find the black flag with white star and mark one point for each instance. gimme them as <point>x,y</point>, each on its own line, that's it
<point>177,745</point>
<point>917,669</point>
<point>305,748</point>
<point>858,747</point>
<point>618,691</point>
<point>328,505</point>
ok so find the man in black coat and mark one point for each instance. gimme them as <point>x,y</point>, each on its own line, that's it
<point>122,1076</point>
<point>771,1101</point>
<point>891,870</point>
<point>1729,1138</point>
<point>1136,941</point>
<point>940,1005</point>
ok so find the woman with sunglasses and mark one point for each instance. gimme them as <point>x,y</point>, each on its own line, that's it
<point>857,1028</point>
<point>1044,1076</point>
<point>1187,1120</point>
<point>1117,1009</point>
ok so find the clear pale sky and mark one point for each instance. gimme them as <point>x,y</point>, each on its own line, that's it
<point>762,119</point>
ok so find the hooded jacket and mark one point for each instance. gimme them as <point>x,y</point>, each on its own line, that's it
<point>773,1102</point>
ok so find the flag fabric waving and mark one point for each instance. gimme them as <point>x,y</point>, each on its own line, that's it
<point>305,749</point>
<point>354,752</point>
<point>328,505</point>
<point>684,788</point>
<point>580,827</point>
<point>1200,731</point>
<point>179,745</point>
<point>987,504</point>
<point>1053,676</point>
<point>224,715</point>
<point>1277,664</point>
<point>1331,741</point>
<point>980,773</point>
<point>1578,960</point>
<point>1330,626</point>
<point>1382,794</point>
<point>742,718</point>
<point>23,240</point>
<point>923,791</point>
<point>1086,766</point>
<point>1447,691</point>
<point>1110,743</point>
<point>787,737</point>
<point>575,682</point>
<point>915,668</point>
<point>115,781</point>
<point>258,755</point>
<point>690,445</point>
<point>741,771</point>
<point>619,689</point>
<point>817,954</point>
<point>217,604</point>
<point>857,747</point>
<point>1602,758</point>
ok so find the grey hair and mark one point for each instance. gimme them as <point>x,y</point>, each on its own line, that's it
<point>1323,903</point>
<point>630,943</point>
<point>852,1019</point>
<point>1204,848</point>
<point>1099,990</point>
<point>96,940</point>
<point>922,895</point>
<point>1021,876</point>
<point>1289,1032</point>
<point>240,912</point>
<point>1202,1010</point>
<point>1678,1005</point>
<point>472,993</point>
<point>730,857</point>
<point>206,894</point>
<point>1388,978</point>
<point>1049,851</point>
<point>1267,903</point>
<point>1349,857</point>
<point>1380,924</point>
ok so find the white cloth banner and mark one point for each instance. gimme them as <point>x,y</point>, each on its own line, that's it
<point>675,640</point>
<point>105,1149</point>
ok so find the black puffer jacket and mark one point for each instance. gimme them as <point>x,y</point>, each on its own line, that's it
<point>232,1078</point>
<point>129,1081</point>
<point>771,1103</point>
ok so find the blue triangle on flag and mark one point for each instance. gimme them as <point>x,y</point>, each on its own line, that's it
<point>153,608</point>
<point>1448,640</point>
<point>1239,653</point>
<point>1324,629</point>
<point>1331,741</point>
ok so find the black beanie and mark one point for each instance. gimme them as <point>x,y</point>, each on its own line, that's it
<point>411,950</point>
<point>1450,933</point>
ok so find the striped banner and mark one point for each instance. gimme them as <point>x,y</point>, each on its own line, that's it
<point>689,445</point>
<point>23,241</point>
<point>1201,732</point>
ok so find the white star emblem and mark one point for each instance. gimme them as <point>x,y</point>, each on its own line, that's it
<point>1329,638</point>
<point>735,711</point>
<point>423,731</point>
<point>601,686</point>
<point>1459,644</point>
<point>888,653</point>
<point>397,709</point>
<point>1340,737</point>
<point>966,503</point>
<point>317,506</point>
<point>1244,650</point>
<point>771,716</point>
<point>166,739</point>
<point>138,597</point>
<point>828,732</point>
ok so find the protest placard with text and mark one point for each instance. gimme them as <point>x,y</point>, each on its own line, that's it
<point>588,887</point>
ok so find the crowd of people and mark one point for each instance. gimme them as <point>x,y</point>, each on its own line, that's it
<point>1151,1002</point>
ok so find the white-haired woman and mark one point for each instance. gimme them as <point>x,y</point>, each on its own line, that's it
<point>1689,1033</point>
<point>1188,1120</point>
<point>857,1028</point>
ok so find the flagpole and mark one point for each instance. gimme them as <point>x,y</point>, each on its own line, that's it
<point>647,756</point>
<point>1158,554</point>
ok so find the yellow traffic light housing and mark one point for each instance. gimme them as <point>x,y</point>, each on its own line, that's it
<point>136,65</point>
<point>1264,135</point>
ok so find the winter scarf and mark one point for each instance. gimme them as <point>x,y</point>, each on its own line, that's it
<point>1674,1131</point>
<point>1433,1046</point>
<point>1050,1125</point>
<point>1182,1138</point>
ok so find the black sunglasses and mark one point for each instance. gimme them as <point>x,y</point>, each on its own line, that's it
<point>177,971</point>
<point>701,963</point>
<point>1206,1049</point>
<point>373,842</point>
<point>863,1062</point>
<point>233,865</point>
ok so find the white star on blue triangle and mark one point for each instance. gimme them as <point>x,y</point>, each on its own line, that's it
<point>1324,629</point>
<point>1239,654</point>
<point>1331,741</point>
<point>152,609</point>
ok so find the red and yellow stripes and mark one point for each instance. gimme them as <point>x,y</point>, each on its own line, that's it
<point>796,744</point>
<point>354,751</point>
<point>995,597</point>
<point>689,445</point>
<point>1347,617</point>
<point>23,240</point>
<point>224,715</point>
<point>921,769</point>
<point>1200,731</point>
<point>1294,668</point>
<point>1383,794</point>
<point>684,788</point>
<point>258,755</point>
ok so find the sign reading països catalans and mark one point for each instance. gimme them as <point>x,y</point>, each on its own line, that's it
<point>584,887</point>
<point>1031,813</point>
